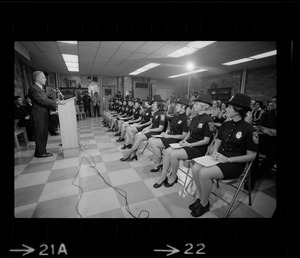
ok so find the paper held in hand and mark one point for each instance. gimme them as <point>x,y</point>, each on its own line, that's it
<point>206,161</point>
<point>175,145</point>
<point>157,136</point>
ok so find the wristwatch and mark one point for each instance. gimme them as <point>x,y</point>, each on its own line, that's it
<point>228,160</point>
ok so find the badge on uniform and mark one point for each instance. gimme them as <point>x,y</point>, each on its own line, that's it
<point>200,125</point>
<point>156,117</point>
<point>179,122</point>
<point>255,137</point>
<point>147,114</point>
<point>238,135</point>
<point>162,117</point>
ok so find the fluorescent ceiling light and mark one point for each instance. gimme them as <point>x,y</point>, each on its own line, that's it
<point>191,48</point>
<point>68,42</point>
<point>263,55</point>
<point>71,64</point>
<point>73,69</point>
<point>200,44</point>
<point>144,68</point>
<point>183,74</point>
<point>243,60</point>
<point>70,58</point>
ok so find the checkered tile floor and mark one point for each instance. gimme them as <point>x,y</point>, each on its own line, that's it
<point>47,187</point>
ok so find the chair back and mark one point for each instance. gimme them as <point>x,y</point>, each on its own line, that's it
<point>211,143</point>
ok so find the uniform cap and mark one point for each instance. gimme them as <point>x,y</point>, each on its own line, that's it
<point>240,100</point>
<point>182,101</point>
<point>203,97</point>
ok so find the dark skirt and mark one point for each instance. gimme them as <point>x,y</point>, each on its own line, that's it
<point>149,135</point>
<point>195,152</point>
<point>231,170</point>
<point>167,141</point>
<point>141,128</point>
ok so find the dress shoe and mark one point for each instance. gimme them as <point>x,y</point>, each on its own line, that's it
<point>120,140</point>
<point>124,158</point>
<point>200,210</point>
<point>159,167</point>
<point>128,146</point>
<point>53,134</point>
<point>109,130</point>
<point>132,158</point>
<point>117,134</point>
<point>156,185</point>
<point>195,204</point>
<point>169,185</point>
<point>46,155</point>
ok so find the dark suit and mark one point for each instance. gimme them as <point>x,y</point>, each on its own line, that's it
<point>20,113</point>
<point>40,112</point>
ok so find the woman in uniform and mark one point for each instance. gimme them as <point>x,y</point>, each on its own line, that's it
<point>158,123</point>
<point>138,127</point>
<point>127,116</point>
<point>236,144</point>
<point>174,134</point>
<point>194,143</point>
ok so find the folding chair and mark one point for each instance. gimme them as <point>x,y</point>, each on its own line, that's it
<point>245,175</point>
<point>18,131</point>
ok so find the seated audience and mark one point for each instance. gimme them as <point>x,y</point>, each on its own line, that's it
<point>236,144</point>
<point>174,133</point>
<point>158,123</point>
<point>137,117</point>
<point>134,128</point>
<point>127,116</point>
<point>257,112</point>
<point>194,143</point>
<point>22,114</point>
<point>267,143</point>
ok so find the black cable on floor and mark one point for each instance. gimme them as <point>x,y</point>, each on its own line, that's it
<point>118,190</point>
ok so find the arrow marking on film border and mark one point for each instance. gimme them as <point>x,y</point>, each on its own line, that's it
<point>173,250</point>
<point>28,250</point>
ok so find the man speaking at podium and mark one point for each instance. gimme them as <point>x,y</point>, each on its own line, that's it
<point>40,113</point>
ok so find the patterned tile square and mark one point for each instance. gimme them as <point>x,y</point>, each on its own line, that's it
<point>117,213</point>
<point>31,179</point>
<point>58,189</point>
<point>98,201</point>
<point>62,174</point>
<point>122,177</point>
<point>136,192</point>
<point>112,156</point>
<point>64,207</point>
<point>38,167</point>
<point>115,166</point>
<point>25,211</point>
<point>65,163</point>
<point>28,195</point>
<point>94,182</point>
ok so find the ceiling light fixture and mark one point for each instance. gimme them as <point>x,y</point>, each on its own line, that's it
<point>71,62</point>
<point>191,48</point>
<point>183,74</point>
<point>68,42</point>
<point>251,58</point>
<point>144,68</point>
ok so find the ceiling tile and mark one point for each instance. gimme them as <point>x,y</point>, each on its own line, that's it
<point>87,51</point>
<point>68,49</point>
<point>110,44</point>
<point>131,45</point>
<point>49,46</point>
<point>89,43</point>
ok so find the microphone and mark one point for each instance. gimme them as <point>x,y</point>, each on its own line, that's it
<point>59,92</point>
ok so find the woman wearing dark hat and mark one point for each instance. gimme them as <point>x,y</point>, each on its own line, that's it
<point>136,117</point>
<point>158,123</point>
<point>138,127</point>
<point>174,134</point>
<point>194,143</point>
<point>236,144</point>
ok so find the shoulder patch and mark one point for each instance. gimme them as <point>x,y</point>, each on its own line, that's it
<point>255,137</point>
<point>162,117</point>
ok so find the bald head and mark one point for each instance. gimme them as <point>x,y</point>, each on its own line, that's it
<point>39,77</point>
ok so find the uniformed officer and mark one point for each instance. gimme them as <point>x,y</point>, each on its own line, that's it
<point>236,144</point>
<point>136,118</point>
<point>194,143</point>
<point>122,112</point>
<point>138,127</point>
<point>174,134</point>
<point>158,124</point>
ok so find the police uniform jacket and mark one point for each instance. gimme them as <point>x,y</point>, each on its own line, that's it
<point>147,116</point>
<point>178,124</point>
<point>137,112</point>
<point>159,118</point>
<point>237,138</point>
<point>201,126</point>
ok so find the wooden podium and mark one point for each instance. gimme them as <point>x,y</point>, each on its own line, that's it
<point>68,128</point>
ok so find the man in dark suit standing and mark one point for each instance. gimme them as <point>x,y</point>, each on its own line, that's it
<point>40,112</point>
